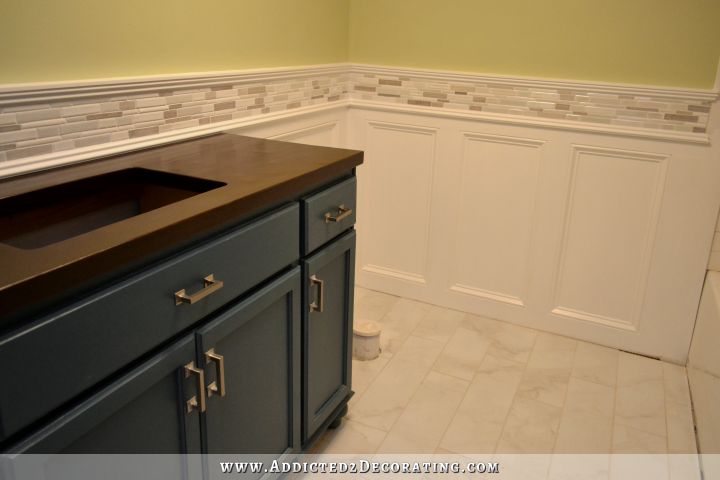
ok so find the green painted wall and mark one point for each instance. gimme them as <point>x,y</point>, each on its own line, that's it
<point>48,40</point>
<point>660,42</point>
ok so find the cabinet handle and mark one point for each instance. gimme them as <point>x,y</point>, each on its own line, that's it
<point>342,214</point>
<point>194,403</point>
<point>217,387</point>
<point>210,285</point>
<point>318,305</point>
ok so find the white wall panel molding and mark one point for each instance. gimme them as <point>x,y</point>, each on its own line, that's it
<point>396,240</point>
<point>611,218</point>
<point>495,218</point>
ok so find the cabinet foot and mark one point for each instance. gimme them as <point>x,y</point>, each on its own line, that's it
<point>338,420</point>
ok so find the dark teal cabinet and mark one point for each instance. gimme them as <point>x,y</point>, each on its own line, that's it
<point>327,333</point>
<point>251,359</point>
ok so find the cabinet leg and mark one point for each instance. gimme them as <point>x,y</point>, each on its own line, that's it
<point>338,420</point>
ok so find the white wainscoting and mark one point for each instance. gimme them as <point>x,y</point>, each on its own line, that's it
<point>594,236</point>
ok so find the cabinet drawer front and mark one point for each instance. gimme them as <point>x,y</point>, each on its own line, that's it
<point>61,355</point>
<point>328,213</point>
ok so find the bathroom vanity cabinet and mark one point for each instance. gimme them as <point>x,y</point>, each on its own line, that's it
<point>224,327</point>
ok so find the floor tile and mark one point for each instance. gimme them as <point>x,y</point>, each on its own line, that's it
<point>463,353</point>
<point>373,305</point>
<point>507,341</point>
<point>680,428</point>
<point>350,438</point>
<point>629,440</point>
<point>439,324</point>
<point>422,423</point>
<point>365,371</point>
<point>676,384</point>
<point>547,385</point>
<point>531,427</point>
<point>552,352</point>
<point>634,369</point>
<point>388,395</point>
<point>479,420</point>
<point>642,406</point>
<point>587,420</point>
<point>399,322</point>
<point>595,363</point>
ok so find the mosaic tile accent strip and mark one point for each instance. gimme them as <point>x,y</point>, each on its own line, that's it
<point>40,128</point>
<point>36,126</point>
<point>662,113</point>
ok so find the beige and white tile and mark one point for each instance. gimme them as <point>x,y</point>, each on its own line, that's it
<point>365,371</point>
<point>545,385</point>
<point>595,363</point>
<point>439,324</point>
<point>629,440</point>
<point>634,369</point>
<point>676,384</point>
<point>399,322</point>
<point>373,305</point>
<point>388,395</point>
<point>587,420</point>
<point>422,423</point>
<point>642,406</point>
<point>479,420</point>
<point>507,341</point>
<point>463,353</point>
<point>531,427</point>
<point>680,428</point>
<point>552,352</point>
<point>350,438</point>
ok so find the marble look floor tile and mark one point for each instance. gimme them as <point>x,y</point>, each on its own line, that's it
<point>547,385</point>
<point>350,438</point>
<point>531,427</point>
<point>587,421</point>
<point>399,322</point>
<point>595,363</point>
<point>439,324</point>
<point>365,371</point>
<point>680,428</point>
<point>373,305</point>
<point>507,341</point>
<point>422,423</point>
<point>388,395</point>
<point>479,420</point>
<point>706,398</point>
<point>676,384</point>
<point>552,352</point>
<point>634,369</point>
<point>629,440</point>
<point>463,353</point>
<point>642,407</point>
<point>580,467</point>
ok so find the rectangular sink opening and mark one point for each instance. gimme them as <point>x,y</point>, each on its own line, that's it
<point>50,215</point>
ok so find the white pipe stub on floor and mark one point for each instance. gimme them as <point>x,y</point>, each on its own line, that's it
<point>366,341</point>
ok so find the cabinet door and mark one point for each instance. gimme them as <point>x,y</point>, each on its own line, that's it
<point>327,331</point>
<point>251,357</point>
<point>142,412</point>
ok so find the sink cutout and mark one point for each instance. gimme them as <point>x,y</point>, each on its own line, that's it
<point>50,215</point>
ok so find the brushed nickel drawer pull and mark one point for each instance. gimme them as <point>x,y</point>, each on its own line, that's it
<point>217,387</point>
<point>342,214</point>
<point>318,305</point>
<point>210,285</point>
<point>194,403</point>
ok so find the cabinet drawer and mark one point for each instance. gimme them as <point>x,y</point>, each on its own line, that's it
<point>59,356</point>
<point>328,213</point>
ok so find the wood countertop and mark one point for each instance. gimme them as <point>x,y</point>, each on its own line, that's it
<point>258,175</point>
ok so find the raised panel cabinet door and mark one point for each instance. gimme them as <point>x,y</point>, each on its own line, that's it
<point>251,358</point>
<point>327,332</point>
<point>142,412</point>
